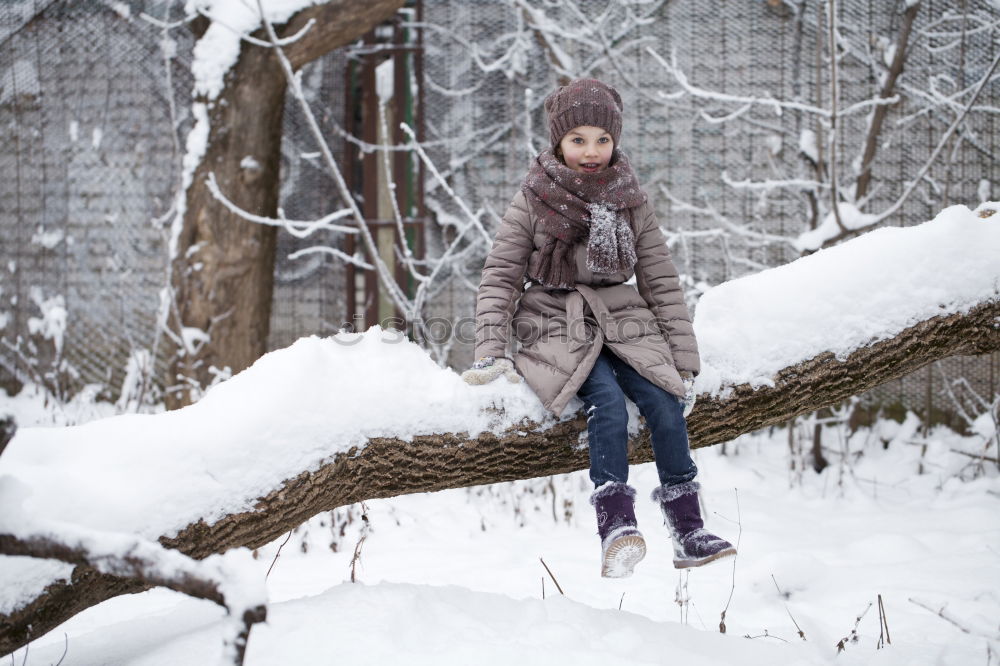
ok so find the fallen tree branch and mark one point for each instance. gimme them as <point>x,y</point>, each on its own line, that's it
<point>149,565</point>
<point>441,461</point>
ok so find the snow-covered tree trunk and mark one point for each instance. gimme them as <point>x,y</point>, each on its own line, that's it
<point>437,462</point>
<point>223,266</point>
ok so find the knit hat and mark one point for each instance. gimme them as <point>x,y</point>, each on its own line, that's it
<point>584,102</point>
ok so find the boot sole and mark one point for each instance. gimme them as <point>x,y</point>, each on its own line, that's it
<point>622,556</point>
<point>687,564</point>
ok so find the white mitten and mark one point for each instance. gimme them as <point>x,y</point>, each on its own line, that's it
<point>689,396</point>
<point>489,368</point>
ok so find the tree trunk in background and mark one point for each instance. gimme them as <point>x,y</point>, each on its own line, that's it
<point>438,462</point>
<point>223,272</point>
<point>224,269</point>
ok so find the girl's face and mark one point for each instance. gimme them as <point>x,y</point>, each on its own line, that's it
<point>587,149</point>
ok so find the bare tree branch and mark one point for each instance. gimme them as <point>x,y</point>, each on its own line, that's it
<point>888,90</point>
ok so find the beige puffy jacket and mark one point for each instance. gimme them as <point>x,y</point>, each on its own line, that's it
<point>555,335</point>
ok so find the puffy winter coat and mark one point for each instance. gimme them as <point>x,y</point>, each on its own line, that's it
<point>555,335</point>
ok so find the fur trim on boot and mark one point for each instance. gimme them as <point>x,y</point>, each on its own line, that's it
<point>693,544</point>
<point>622,545</point>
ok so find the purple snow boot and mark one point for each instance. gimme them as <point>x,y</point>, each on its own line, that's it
<point>693,544</point>
<point>622,545</point>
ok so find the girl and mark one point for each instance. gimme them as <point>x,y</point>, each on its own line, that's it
<point>558,277</point>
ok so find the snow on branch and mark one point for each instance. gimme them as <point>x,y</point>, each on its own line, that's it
<point>230,580</point>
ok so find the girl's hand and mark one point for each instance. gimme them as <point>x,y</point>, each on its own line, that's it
<point>689,396</point>
<point>488,368</point>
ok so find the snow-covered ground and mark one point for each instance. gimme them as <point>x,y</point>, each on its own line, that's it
<point>455,578</point>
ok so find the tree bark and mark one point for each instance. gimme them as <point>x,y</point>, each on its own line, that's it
<point>7,430</point>
<point>438,462</point>
<point>223,271</point>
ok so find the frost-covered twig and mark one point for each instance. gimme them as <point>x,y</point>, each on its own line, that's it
<point>943,613</point>
<point>682,595</point>
<point>853,636</point>
<point>732,588</point>
<point>784,595</point>
<point>297,228</point>
<point>365,530</point>
<point>985,25</point>
<point>332,251</point>
<point>166,25</point>
<point>284,41</point>
<point>772,184</point>
<point>402,245</point>
<point>473,219</point>
<point>710,211</point>
<point>777,105</point>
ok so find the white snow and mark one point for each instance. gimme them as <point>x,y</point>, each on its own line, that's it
<point>250,162</point>
<point>384,84</point>
<point>19,79</point>
<point>23,578</point>
<point>52,324</point>
<point>807,144</point>
<point>139,366</point>
<point>194,150</point>
<point>219,48</point>
<point>846,296</point>
<point>291,411</point>
<point>193,338</point>
<point>773,143</point>
<point>450,578</point>
<point>890,50</point>
<point>48,239</point>
<point>850,217</point>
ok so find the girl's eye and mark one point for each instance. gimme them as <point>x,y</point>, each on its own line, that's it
<point>603,139</point>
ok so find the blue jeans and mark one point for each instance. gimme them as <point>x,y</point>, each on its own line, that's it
<point>603,394</point>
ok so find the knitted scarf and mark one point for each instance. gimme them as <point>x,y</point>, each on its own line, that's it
<point>571,206</point>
